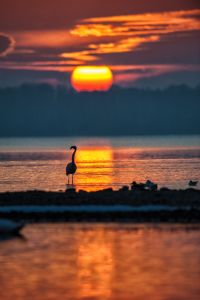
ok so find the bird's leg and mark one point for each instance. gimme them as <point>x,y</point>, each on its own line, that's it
<point>68,178</point>
<point>72,178</point>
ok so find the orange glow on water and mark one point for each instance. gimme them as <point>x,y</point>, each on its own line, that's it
<point>94,264</point>
<point>94,167</point>
<point>101,262</point>
<point>92,78</point>
<point>94,155</point>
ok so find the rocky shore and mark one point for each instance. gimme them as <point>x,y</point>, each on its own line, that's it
<point>185,203</point>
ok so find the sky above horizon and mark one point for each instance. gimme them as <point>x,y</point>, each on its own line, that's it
<point>150,44</point>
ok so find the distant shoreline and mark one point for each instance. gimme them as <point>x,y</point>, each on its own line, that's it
<point>185,206</point>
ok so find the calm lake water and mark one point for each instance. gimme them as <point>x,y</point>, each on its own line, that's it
<point>39,163</point>
<point>101,261</point>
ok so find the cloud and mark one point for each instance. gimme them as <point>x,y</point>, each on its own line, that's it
<point>6,44</point>
<point>130,31</point>
<point>125,45</point>
<point>24,51</point>
<point>143,24</point>
<point>125,34</point>
<point>132,75</point>
<point>45,38</point>
<point>81,55</point>
<point>39,66</point>
<point>161,81</point>
<point>159,38</point>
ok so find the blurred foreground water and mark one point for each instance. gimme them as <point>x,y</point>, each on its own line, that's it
<point>39,163</point>
<point>101,261</point>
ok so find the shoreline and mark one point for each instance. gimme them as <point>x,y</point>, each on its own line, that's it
<point>185,206</point>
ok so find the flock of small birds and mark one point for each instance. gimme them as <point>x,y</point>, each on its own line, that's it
<point>141,186</point>
<point>152,186</point>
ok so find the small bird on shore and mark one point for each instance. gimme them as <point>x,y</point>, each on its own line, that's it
<point>193,183</point>
<point>71,167</point>
<point>137,186</point>
<point>149,184</point>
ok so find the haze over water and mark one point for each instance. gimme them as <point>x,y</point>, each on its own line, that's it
<point>39,163</point>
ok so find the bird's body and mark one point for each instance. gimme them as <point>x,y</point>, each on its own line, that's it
<point>71,167</point>
<point>193,183</point>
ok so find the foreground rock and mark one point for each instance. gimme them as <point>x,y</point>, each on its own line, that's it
<point>9,228</point>
<point>177,198</point>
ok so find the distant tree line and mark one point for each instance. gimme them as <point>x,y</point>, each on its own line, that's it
<point>42,110</point>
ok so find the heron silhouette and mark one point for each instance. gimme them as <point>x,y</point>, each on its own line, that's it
<point>71,167</point>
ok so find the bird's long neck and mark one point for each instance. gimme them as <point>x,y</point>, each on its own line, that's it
<point>73,155</point>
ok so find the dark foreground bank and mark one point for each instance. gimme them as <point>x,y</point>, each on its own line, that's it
<point>164,205</point>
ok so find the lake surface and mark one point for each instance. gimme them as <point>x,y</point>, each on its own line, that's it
<point>92,260</point>
<point>40,163</point>
<point>101,261</point>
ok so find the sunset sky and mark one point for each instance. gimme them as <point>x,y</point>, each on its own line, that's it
<point>145,43</point>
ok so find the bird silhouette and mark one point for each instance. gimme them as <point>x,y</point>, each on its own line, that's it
<point>71,167</point>
<point>192,183</point>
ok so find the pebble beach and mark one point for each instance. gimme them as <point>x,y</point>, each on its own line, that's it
<point>124,205</point>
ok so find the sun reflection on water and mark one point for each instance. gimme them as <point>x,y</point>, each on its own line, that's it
<point>94,167</point>
<point>101,261</point>
<point>95,264</point>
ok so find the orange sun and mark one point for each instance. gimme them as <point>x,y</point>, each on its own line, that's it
<point>92,78</point>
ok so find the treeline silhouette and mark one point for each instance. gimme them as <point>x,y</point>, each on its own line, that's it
<point>42,110</point>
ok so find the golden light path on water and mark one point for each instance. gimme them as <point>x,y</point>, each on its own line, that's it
<point>36,164</point>
<point>95,165</point>
<point>96,169</point>
<point>101,261</point>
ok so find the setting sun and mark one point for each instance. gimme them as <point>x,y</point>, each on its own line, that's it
<point>92,78</point>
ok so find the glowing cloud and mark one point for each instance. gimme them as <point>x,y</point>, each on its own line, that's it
<point>93,39</point>
<point>92,78</point>
<point>144,24</point>
<point>127,32</point>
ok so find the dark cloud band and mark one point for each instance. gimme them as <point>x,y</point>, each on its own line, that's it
<point>6,44</point>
